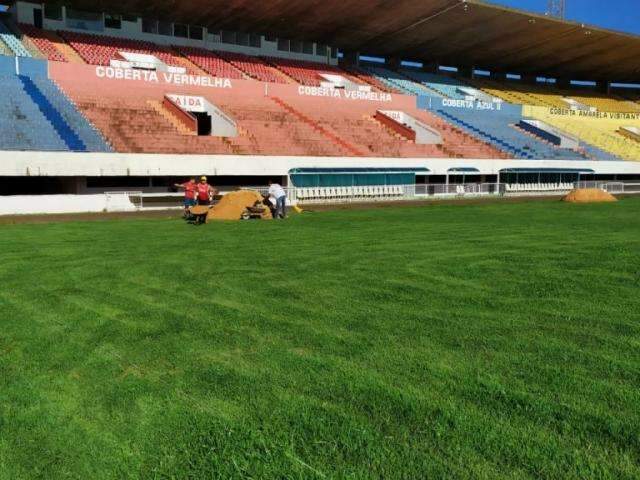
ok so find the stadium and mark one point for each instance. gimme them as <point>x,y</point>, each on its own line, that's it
<point>428,309</point>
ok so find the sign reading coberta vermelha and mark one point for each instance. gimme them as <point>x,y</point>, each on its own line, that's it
<point>151,76</point>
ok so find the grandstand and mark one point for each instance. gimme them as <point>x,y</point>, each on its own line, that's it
<point>92,83</point>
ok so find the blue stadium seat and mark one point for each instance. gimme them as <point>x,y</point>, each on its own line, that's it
<point>37,116</point>
<point>68,136</point>
<point>497,129</point>
<point>443,85</point>
<point>78,124</point>
<point>398,81</point>
<point>23,126</point>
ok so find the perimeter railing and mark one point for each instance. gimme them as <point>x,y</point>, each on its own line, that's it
<point>116,201</point>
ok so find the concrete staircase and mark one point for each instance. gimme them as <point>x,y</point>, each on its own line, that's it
<point>170,117</point>
<point>64,48</point>
<point>188,64</point>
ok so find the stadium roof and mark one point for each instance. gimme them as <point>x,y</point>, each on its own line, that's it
<point>462,33</point>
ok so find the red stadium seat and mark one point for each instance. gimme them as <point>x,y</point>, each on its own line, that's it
<point>210,62</point>
<point>100,49</point>
<point>42,40</point>
<point>254,67</point>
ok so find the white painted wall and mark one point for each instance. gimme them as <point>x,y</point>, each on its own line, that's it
<point>61,164</point>
<point>51,204</point>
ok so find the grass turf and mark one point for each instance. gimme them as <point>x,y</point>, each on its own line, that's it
<point>484,341</point>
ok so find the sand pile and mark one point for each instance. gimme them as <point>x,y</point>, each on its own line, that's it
<point>199,210</point>
<point>589,195</point>
<point>232,206</point>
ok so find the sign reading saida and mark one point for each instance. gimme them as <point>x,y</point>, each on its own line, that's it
<point>188,102</point>
<point>567,112</point>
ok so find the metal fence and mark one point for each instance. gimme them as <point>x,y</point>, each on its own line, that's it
<point>626,188</point>
<point>118,201</point>
<point>389,193</point>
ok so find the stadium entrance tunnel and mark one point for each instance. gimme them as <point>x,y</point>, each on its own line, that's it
<point>355,177</point>
<point>199,116</point>
<point>203,120</point>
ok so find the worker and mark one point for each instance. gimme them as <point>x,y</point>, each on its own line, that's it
<point>189,195</point>
<point>270,203</point>
<point>277,193</point>
<point>205,192</point>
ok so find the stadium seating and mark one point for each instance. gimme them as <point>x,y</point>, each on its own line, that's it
<point>297,124</point>
<point>397,81</point>
<point>70,116</point>
<point>12,41</point>
<point>367,78</point>
<point>4,49</point>
<point>210,62</point>
<point>254,67</point>
<point>354,123</point>
<point>23,125</point>
<point>601,133</point>
<point>538,187</point>
<point>497,128</point>
<point>306,73</point>
<point>42,39</point>
<point>362,193</point>
<point>548,96</point>
<point>128,116</point>
<point>441,85</point>
<point>602,103</point>
<point>68,135</point>
<point>520,93</point>
<point>101,49</point>
<point>131,117</point>
<point>49,44</point>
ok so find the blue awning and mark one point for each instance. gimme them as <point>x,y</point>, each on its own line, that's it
<point>463,170</point>
<point>548,170</point>
<point>355,171</point>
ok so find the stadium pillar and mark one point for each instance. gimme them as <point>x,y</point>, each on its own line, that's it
<point>433,67</point>
<point>351,58</point>
<point>393,63</point>
<point>604,86</point>
<point>466,72</point>
<point>529,79</point>
<point>563,83</point>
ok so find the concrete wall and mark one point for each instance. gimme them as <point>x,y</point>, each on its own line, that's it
<point>61,164</point>
<point>52,204</point>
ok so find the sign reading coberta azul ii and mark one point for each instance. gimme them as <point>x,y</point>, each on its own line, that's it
<point>471,104</point>
<point>151,76</point>
<point>340,93</point>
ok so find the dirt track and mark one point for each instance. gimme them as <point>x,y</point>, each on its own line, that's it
<point>173,214</point>
<point>88,217</point>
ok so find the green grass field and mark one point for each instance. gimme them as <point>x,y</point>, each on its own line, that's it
<point>465,341</point>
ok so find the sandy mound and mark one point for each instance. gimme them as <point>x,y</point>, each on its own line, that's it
<point>199,210</point>
<point>589,195</point>
<point>232,205</point>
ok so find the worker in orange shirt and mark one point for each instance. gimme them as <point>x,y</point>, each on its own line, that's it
<point>205,192</point>
<point>189,188</point>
